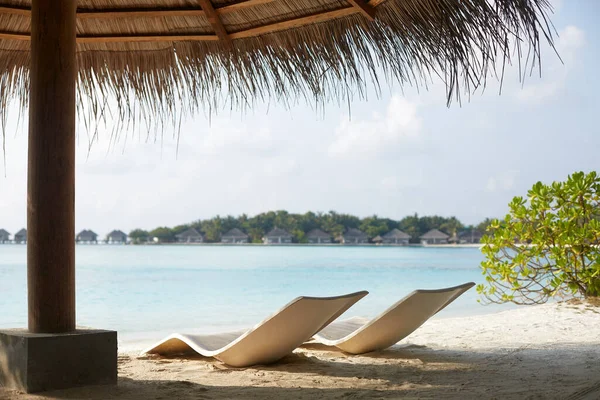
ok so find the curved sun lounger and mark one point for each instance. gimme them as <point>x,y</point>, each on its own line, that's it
<point>270,340</point>
<point>359,335</point>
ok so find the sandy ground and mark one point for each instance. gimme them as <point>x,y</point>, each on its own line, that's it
<point>543,352</point>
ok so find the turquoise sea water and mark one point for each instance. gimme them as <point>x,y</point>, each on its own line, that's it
<point>145,292</point>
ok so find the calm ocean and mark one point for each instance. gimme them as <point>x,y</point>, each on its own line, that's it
<point>145,292</point>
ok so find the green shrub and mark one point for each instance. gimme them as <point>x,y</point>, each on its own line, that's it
<point>548,245</point>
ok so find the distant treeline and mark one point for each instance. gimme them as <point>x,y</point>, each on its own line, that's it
<point>300,224</point>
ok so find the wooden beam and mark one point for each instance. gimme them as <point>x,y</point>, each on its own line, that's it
<point>51,168</point>
<point>215,20</point>
<point>294,23</point>
<point>164,13</point>
<point>145,38</point>
<point>121,39</point>
<point>117,14</point>
<point>15,36</point>
<point>273,27</point>
<point>144,13</point>
<point>364,8</point>
<point>15,11</point>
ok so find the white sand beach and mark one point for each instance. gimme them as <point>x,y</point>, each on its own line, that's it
<point>540,352</point>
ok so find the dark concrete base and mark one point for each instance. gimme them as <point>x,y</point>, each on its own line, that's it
<point>40,362</point>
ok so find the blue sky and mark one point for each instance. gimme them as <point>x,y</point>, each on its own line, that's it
<point>403,153</point>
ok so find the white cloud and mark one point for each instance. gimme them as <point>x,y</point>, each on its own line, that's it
<point>569,44</point>
<point>225,136</point>
<point>279,166</point>
<point>502,182</point>
<point>571,40</point>
<point>390,182</point>
<point>491,185</point>
<point>365,138</point>
<point>405,178</point>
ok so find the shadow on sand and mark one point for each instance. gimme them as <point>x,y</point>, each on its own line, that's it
<point>401,372</point>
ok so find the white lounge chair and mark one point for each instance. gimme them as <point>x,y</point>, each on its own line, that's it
<point>359,335</point>
<point>270,340</point>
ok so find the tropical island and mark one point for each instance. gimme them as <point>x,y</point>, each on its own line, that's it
<point>282,227</point>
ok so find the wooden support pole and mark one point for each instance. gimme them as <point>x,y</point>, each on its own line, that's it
<point>364,8</point>
<point>51,168</point>
<point>215,21</point>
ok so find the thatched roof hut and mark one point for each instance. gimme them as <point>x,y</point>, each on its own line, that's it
<point>434,236</point>
<point>353,232</point>
<point>355,236</point>
<point>86,235</point>
<point>278,232</point>
<point>21,236</point>
<point>235,232</point>
<point>190,235</point>
<point>278,236</point>
<point>317,236</point>
<point>234,236</point>
<point>4,236</point>
<point>396,236</point>
<point>116,236</point>
<point>317,233</point>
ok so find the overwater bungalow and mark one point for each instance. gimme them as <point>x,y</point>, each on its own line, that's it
<point>21,236</point>
<point>278,236</point>
<point>396,236</point>
<point>317,236</point>
<point>86,236</point>
<point>116,237</point>
<point>434,236</point>
<point>355,236</point>
<point>4,236</point>
<point>190,235</point>
<point>234,236</point>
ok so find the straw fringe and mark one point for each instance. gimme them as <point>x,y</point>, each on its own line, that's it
<point>156,84</point>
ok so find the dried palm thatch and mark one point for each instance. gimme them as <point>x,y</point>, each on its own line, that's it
<point>159,58</point>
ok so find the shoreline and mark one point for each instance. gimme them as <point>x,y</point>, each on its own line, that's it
<point>134,342</point>
<point>415,245</point>
<point>550,351</point>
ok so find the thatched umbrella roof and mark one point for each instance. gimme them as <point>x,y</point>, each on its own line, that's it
<point>155,57</point>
